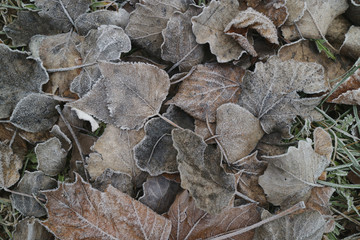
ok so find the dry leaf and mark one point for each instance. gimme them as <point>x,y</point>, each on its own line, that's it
<point>351,45</point>
<point>307,225</point>
<point>58,51</point>
<point>337,30</point>
<point>353,11</point>
<point>296,9</point>
<point>19,77</point>
<point>65,141</point>
<point>31,229</point>
<point>19,145</point>
<point>238,131</point>
<point>115,152</point>
<point>31,183</point>
<point>149,19</point>
<point>270,145</point>
<point>249,169</point>
<point>9,167</point>
<point>155,153</point>
<point>201,129</point>
<point>87,21</point>
<point>209,26</point>
<point>290,177</point>
<point>29,24</point>
<point>128,94</point>
<point>35,113</point>
<point>189,222</point>
<point>323,143</point>
<point>201,173</point>
<point>63,12</point>
<point>270,92</point>
<point>51,157</point>
<point>78,211</point>
<point>159,193</point>
<point>182,47</point>
<point>206,88</point>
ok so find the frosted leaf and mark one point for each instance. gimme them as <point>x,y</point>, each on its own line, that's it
<point>351,45</point>
<point>296,9</point>
<point>10,164</point>
<point>30,228</point>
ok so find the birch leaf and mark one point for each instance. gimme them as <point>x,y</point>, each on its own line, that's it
<point>78,211</point>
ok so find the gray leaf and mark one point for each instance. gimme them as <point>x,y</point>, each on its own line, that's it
<point>31,229</point>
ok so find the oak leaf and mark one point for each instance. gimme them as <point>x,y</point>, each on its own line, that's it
<point>10,164</point>
<point>78,211</point>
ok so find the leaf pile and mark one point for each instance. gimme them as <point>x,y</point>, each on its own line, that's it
<point>187,140</point>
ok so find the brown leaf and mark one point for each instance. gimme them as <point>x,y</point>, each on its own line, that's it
<point>206,88</point>
<point>190,222</point>
<point>78,211</point>
<point>337,30</point>
<point>182,47</point>
<point>323,143</point>
<point>30,228</point>
<point>270,93</point>
<point>351,45</point>
<point>201,173</point>
<point>270,145</point>
<point>128,94</point>
<point>19,145</point>
<point>115,151</point>
<point>10,164</point>
<point>202,130</point>
<point>238,131</point>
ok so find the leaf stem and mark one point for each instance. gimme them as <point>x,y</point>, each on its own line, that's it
<point>169,121</point>
<point>70,68</point>
<point>24,194</point>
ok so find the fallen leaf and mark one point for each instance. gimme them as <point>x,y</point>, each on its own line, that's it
<point>35,113</point>
<point>155,153</point>
<point>201,173</point>
<point>78,211</point>
<point>115,151</point>
<point>190,222</point>
<point>87,21</point>
<point>290,177</point>
<point>307,225</point>
<point>128,94</point>
<point>31,183</point>
<point>149,19</point>
<point>206,88</point>
<point>19,77</point>
<point>182,48</point>
<point>296,9</point>
<point>65,141</point>
<point>9,167</point>
<point>249,169</point>
<point>238,131</point>
<point>19,145</point>
<point>352,12</point>
<point>106,43</point>
<point>29,24</point>
<point>319,200</point>
<point>64,12</point>
<point>202,130</point>
<point>51,157</point>
<point>351,45</point>
<point>337,30</point>
<point>30,228</point>
<point>159,193</point>
<point>270,145</point>
<point>323,143</point>
<point>270,92</point>
<point>58,51</point>
<point>209,27</point>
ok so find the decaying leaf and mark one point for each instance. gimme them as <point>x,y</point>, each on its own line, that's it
<point>351,45</point>
<point>35,113</point>
<point>18,145</point>
<point>149,19</point>
<point>106,43</point>
<point>63,12</point>
<point>201,129</point>
<point>317,17</point>
<point>182,47</point>
<point>155,153</point>
<point>58,51</point>
<point>115,151</point>
<point>128,94</point>
<point>30,228</point>
<point>307,225</point>
<point>31,183</point>
<point>51,156</point>
<point>206,88</point>
<point>190,222</point>
<point>209,26</point>
<point>270,93</point>
<point>348,92</point>
<point>290,177</point>
<point>251,19</point>
<point>19,77</point>
<point>9,167</point>
<point>87,21</point>
<point>249,169</point>
<point>78,211</point>
<point>201,173</point>
<point>159,193</point>
<point>238,131</point>
<point>29,24</point>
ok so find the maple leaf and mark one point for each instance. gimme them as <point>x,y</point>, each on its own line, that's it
<point>78,211</point>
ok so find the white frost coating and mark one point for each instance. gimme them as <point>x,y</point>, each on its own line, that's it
<point>86,117</point>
